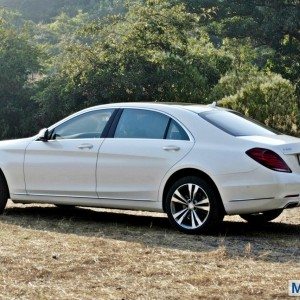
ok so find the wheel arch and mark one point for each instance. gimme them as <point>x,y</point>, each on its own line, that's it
<point>189,172</point>
<point>3,177</point>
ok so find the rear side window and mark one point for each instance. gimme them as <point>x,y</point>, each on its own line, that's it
<point>236,124</point>
<point>148,124</point>
<point>141,124</point>
<point>176,132</point>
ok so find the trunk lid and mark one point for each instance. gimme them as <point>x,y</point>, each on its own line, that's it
<point>286,146</point>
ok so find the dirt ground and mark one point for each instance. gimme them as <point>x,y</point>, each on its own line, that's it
<point>52,253</point>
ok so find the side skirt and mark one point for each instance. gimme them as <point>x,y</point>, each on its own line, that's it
<point>90,202</point>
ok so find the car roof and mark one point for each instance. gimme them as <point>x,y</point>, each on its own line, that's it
<point>161,106</point>
<point>194,107</point>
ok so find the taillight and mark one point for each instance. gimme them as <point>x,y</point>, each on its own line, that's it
<point>269,159</point>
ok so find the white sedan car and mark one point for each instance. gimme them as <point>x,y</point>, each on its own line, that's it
<point>196,163</point>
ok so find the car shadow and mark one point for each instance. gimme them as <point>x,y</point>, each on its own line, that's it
<point>276,242</point>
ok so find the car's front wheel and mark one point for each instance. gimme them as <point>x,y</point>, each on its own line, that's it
<point>194,206</point>
<point>4,193</point>
<point>263,217</point>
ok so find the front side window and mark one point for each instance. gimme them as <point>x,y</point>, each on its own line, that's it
<point>236,124</point>
<point>86,126</point>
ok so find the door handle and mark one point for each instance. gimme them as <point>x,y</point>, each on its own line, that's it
<point>85,146</point>
<point>171,148</point>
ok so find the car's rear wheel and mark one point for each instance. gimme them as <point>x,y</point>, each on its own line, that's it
<point>263,217</point>
<point>4,193</point>
<point>194,206</point>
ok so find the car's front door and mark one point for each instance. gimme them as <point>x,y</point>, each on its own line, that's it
<point>65,165</point>
<point>144,146</point>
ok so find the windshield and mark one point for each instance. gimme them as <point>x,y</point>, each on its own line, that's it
<point>236,124</point>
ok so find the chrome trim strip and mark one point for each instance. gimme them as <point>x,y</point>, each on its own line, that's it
<point>251,199</point>
<point>79,197</point>
<point>67,196</point>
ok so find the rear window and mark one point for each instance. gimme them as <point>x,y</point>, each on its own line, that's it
<point>236,124</point>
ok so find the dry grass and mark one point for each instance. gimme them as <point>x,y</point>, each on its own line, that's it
<point>51,253</point>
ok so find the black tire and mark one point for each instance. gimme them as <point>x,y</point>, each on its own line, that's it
<point>4,193</point>
<point>201,200</point>
<point>263,217</point>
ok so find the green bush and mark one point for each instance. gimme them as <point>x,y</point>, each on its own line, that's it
<point>266,97</point>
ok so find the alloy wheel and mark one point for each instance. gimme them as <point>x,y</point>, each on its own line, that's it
<point>190,206</point>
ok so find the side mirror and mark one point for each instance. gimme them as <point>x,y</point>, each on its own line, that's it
<point>43,135</point>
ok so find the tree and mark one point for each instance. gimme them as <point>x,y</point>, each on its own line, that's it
<point>271,25</point>
<point>43,11</point>
<point>156,52</point>
<point>18,62</point>
<point>152,50</point>
<point>257,93</point>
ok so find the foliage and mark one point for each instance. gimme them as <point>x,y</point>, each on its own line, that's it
<point>44,11</point>
<point>273,25</point>
<point>264,96</point>
<point>59,56</point>
<point>18,62</point>
<point>156,52</point>
<point>260,94</point>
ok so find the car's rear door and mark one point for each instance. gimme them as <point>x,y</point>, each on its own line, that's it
<point>66,164</point>
<point>144,145</point>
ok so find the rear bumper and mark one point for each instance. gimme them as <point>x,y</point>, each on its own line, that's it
<point>259,190</point>
<point>259,205</point>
